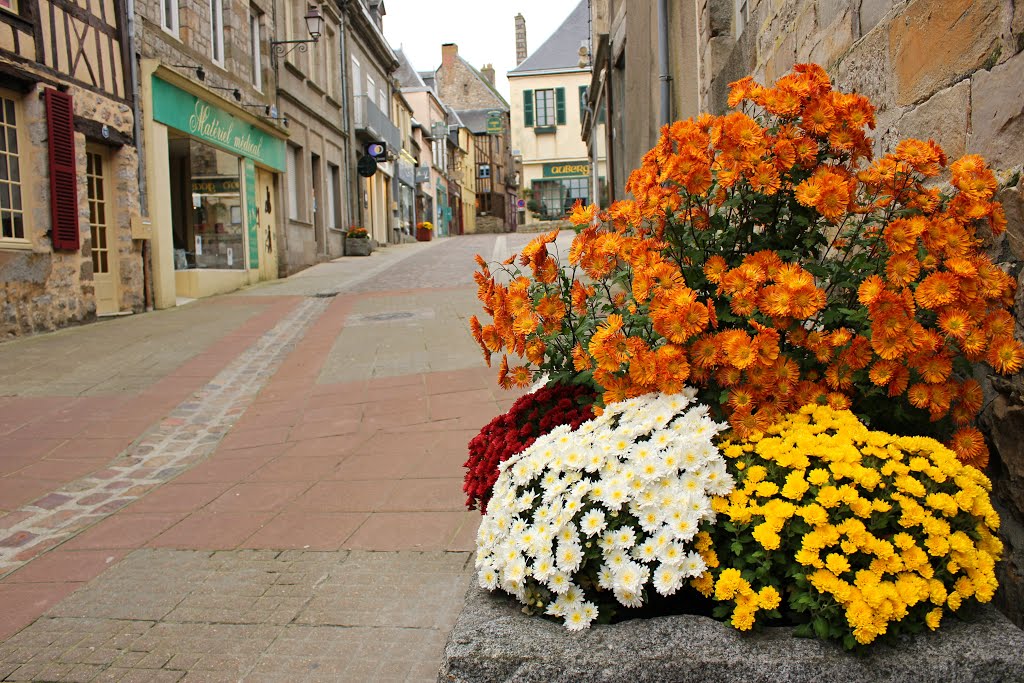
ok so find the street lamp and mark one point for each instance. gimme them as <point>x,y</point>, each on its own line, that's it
<point>314,24</point>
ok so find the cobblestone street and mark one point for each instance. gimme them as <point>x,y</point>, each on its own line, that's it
<point>258,486</point>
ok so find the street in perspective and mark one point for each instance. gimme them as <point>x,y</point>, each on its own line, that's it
<point>264,485</point>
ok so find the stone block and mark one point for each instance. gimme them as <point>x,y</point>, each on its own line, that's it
<point>866,69</point>
<point>494,641</point>
<point>943,117</point>
<point>835,39</point>
<point>1012,199</point>
<point>997,114</point>
<point>872,12</point>
<point>934,43</point>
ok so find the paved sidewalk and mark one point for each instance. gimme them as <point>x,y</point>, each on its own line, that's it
<point>260,486</point>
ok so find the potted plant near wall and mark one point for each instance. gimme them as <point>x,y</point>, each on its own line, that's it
<point>358,242</point>
<point>424,231</point>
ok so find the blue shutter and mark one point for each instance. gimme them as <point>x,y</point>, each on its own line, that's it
<point>528,108</point>
<point>560,106</point>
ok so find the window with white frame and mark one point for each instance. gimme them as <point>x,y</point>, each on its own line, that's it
<point>371,87</point>
<point>544,107</point>
<point>357,77</point>
<point>12,214</point>
<point>217,30</point>
<point>169,15</point>
<point>294,163</point>
<point>742,16</point>
<point>255,48</point>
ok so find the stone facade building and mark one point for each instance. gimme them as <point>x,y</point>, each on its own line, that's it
<point>68,166</point>
<point>949,70</point>
<point>471,93</point>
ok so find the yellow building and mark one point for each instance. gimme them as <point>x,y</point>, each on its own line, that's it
<point>465,168</point>
<point>548,94</point>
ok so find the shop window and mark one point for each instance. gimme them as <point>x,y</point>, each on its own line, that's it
<point>207,213</point>
<point>169,15</point>
<point>255,48</point>
<point>556,197</point>
<point>217,30</point>
<point>12,215</point>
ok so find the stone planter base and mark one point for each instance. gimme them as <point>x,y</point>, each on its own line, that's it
<point>494,641</point>
<point>358,247</point>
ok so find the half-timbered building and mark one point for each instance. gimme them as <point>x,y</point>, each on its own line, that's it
<point>69,211</point>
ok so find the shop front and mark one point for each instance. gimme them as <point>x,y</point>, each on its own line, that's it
<point>561,184</point>
<point>406,194</point>
<point>212,183</point>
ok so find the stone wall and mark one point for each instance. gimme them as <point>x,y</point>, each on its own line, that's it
<point>42,289</point>
<point>460,86</point>
<point>950,70</point>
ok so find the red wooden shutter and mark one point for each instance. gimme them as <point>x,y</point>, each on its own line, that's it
<point>60,124</point>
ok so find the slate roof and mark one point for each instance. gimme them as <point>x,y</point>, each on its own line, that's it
<point>406,75</point>
<point>474,119</point>
<point>561,50</point>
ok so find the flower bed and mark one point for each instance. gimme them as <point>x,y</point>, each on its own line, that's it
<point>772,280</point>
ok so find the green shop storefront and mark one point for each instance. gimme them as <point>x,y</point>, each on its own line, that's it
<point>213,192</point>
<point>561,184</point>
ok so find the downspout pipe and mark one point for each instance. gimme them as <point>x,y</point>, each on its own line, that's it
<point>663,74</point>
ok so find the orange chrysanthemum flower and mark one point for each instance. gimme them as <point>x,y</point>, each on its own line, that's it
<point>870,290</point>
<point>902,269</point>
<point>1006,355</point>
<point>969,446</point>
<point>937,289</point>
<point>956,322</point>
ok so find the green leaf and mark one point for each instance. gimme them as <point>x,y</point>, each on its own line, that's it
<point>820,626</point>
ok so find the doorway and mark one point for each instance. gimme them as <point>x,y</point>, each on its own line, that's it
<point>104,258</point>
<point>266,209</point>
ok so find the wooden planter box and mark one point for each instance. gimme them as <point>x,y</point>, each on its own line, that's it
<point>358,246</point>
<point>424,235</point>
<point>494,641</point>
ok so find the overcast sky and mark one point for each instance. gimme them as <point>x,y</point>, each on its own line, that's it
<point>483,29</point>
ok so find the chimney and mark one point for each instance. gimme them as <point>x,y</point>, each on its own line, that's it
<point>488,72</point>
<point>520,39</point>
<point>449,51</point>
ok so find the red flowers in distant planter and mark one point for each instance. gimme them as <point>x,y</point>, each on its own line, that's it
<point>531,416</point>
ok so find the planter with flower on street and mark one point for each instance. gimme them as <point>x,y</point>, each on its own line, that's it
<point>424,231</point>
<point>781,336</point>
<point>358,242</point>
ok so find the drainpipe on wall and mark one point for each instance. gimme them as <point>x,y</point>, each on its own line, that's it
<point>663,76</point>
<point>140,154</point>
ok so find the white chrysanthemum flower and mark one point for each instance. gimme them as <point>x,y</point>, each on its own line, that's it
<point>635,483</point>
<point>593,522</point>
<point>693,564</point>
<point>629,598</point>
<point>667,579</point>
<point>543,567</point>
<point>559,582</point>
<point>569,557</point>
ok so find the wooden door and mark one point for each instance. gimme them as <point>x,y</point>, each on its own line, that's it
<point>101,229</point>
<point>266,199</point>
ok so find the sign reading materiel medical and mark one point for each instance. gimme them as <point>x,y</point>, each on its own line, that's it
<point>567,170</point>
<point>186,112</point>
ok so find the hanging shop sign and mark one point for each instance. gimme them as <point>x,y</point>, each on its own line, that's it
<point>495,124</point>
<point>566,170</point>
<point>367,166</point>
<point>197,117</point>
<point>378,150</point>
